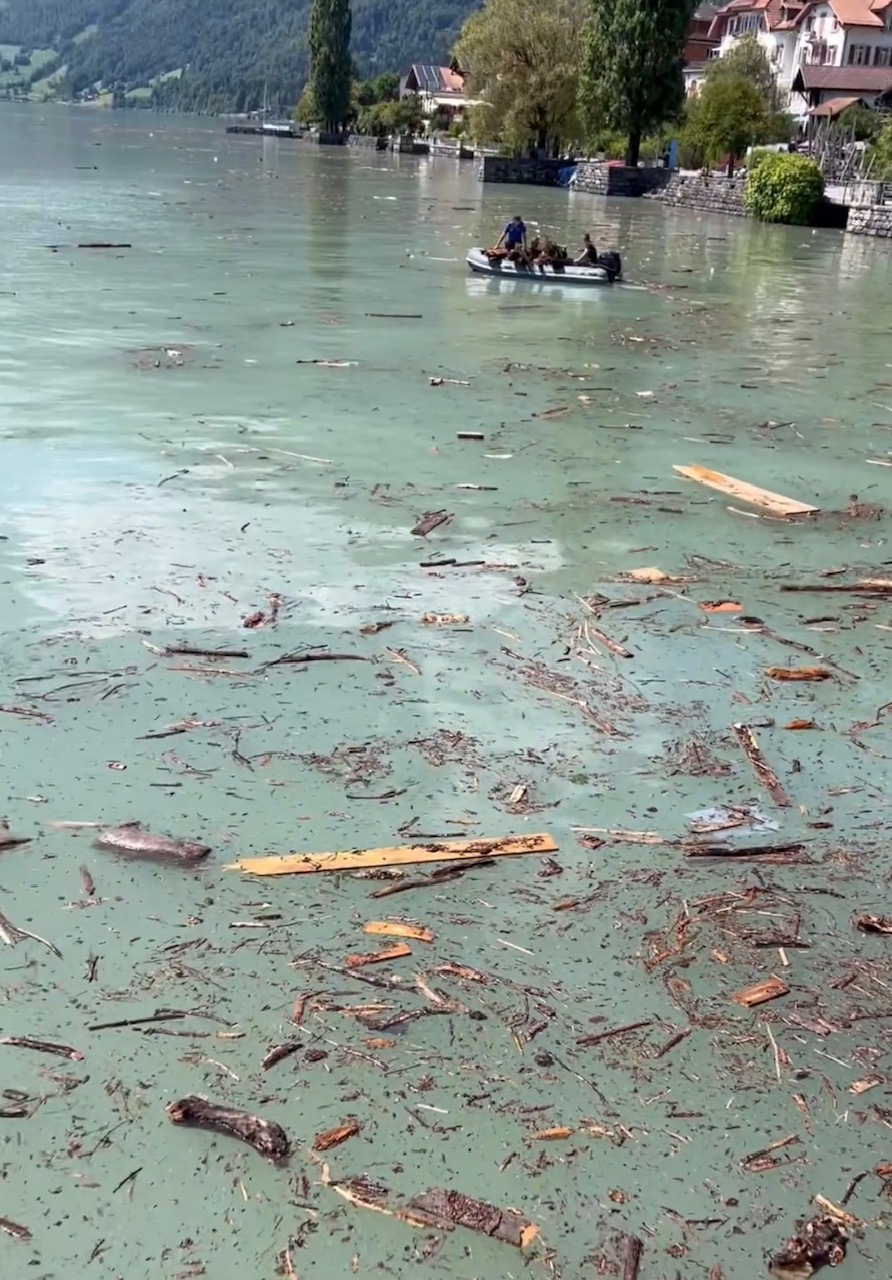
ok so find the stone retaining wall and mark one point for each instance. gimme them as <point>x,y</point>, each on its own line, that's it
<point>366,140</point>
<point>708,195</point>
<point>532,173</point>
<point>870,220</point>
<point>618,180</point>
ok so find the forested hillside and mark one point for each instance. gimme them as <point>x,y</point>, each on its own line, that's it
<point>227,54</point>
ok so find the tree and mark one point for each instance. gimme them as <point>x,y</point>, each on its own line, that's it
<point>404,116</point>
<point>784,188</point>
<point>630,76</point>
<point>727,116</point>
<point>747,60</point>
<point>522,61</point>
<point>331,67</point>
<point>879,158</point>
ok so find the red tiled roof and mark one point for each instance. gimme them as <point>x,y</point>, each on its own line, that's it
<point>855,13</point>
<point>843,79</point>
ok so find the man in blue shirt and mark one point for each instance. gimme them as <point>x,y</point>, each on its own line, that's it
<point>514,237</point>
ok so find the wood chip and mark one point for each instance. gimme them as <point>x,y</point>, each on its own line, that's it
<point>869,1082</point>
<point>775,503</point>
<point>398,929</point>
<point>433,851</point>
<point>720,606</point>
<point>444,619</point>
<point>551,1135</point>
<point>800,724</point>
<point>761,992</point>
<point>396,952</point>
<point>334,1137</point>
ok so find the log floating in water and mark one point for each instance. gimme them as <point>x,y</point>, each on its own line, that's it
<point>761,768</point>
<point>435,851</point>
<point>455,1209</point>
<point>429,521</point>
<point>265,1136</point>
<point>775,503</point>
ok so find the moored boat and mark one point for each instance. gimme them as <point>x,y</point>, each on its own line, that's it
<point>481,264</point>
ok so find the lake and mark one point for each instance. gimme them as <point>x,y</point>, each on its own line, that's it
<point>221,438</point>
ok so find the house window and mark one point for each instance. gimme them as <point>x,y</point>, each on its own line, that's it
<point>859,55</point>
<point>881,57</point>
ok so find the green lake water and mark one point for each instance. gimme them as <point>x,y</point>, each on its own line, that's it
<point>171,458</point>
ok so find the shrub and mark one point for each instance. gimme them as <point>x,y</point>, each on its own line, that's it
<point>784,188</point>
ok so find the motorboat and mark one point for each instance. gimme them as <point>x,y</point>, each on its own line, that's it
<point>481,264</point>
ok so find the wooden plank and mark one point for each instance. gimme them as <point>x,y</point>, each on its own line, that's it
<point>776,503</point>
<point>360,859</point>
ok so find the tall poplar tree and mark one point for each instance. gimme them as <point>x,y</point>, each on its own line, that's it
<point>331,68</point>
<point>631,70</point>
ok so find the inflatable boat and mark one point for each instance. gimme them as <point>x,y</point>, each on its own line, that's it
<point>482,265</point>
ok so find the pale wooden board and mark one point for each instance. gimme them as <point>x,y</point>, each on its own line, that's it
<point>404,855</point>
<point>776,503</point>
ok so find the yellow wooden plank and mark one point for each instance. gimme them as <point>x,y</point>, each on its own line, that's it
<point>776,503</point>
<point>359,859</point>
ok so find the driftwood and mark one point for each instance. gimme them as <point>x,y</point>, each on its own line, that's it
<point>334,1137</point>
<point>279,1052</point>
<point>866,587</point>
<point>873,924</point>
<point>429,521</point>
<point>632,1250</point>
<point>761,992</point>
<point>453,1208</point>
<point>398,929</point>
<point>435,851</point>
<point>12,842</point>
<point>395,952</point>
<point>819,1241</point>
<point>134,841</point>
<point>775,503</point>
<point>14,1229</point>
<point>265,1136</point>
<point>762,770</point>
<point>44,1046</point>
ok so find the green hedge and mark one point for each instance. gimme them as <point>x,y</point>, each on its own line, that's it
<point>783,188</point>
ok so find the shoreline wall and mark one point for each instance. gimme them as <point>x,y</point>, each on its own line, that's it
<point>599,179</point>
<point>705,194</point>
<point>870,220</point>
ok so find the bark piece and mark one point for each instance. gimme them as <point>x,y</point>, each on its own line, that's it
<point>800,724</point>
<point>720,606</point>
<point>632,1250</point>
<point>762,770</point>
<point>398,929</point>
<point>265,1136</point>
<point>451,1207</point>
<point>334,1137</point>
<point>798,673</point>
<point>395,952</point>
<point>434,851</point>
<point>873,924</point>
<point>818,1241</point>
<point>761,992</point>
<point>279,1052</point>
<point>775,503</point>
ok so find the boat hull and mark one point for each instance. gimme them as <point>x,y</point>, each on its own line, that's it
<point>501,269</point>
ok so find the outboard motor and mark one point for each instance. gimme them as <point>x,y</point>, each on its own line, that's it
<point>612,264</point>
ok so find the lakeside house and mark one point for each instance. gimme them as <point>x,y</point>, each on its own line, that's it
<point>700,47</point>
<point>820,52</point>
<point>441,89</point>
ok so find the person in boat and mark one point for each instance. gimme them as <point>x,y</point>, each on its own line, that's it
<point>589,255</point>
<point>552,255</point>
<point>514,237</point>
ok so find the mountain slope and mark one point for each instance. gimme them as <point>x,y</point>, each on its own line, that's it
<point>228,54</point>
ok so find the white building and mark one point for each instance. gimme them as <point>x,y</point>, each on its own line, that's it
<point>820,51</point>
